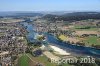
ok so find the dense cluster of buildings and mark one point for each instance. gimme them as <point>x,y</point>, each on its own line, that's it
<point>11,43</point>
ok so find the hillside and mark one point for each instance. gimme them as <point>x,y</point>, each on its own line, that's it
<point>73,16</point>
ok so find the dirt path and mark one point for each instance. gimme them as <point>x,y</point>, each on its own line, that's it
<point>33,62</point>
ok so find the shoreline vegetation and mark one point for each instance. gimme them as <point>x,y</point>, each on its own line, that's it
<point>63,38</point>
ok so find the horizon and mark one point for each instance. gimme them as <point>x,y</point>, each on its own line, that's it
<point>46,11</point>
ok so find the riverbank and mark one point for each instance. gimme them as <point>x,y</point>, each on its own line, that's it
<point>59,50</point>
<point>91,41</point>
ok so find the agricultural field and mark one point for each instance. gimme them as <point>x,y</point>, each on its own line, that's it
<point>44,60</point>
<point>91,40</point>
<point>86,28</point>
<point>10,20</point>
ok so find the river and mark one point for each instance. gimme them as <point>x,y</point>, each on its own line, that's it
<point>68,47</point>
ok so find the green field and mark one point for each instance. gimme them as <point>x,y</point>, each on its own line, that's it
<point>23,60</point>
<point>44,60</point>
<point>90,28</point>
<point>92,40</point>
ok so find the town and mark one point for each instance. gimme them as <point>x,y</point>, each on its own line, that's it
<point>12,41</point>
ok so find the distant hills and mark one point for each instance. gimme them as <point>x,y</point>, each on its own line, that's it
<point>53,16</point>
<point>73,16</point>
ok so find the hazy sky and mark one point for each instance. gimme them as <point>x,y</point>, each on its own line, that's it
<point>49,5</point>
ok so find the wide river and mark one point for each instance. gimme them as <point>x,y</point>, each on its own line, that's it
<point>68,47</point>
